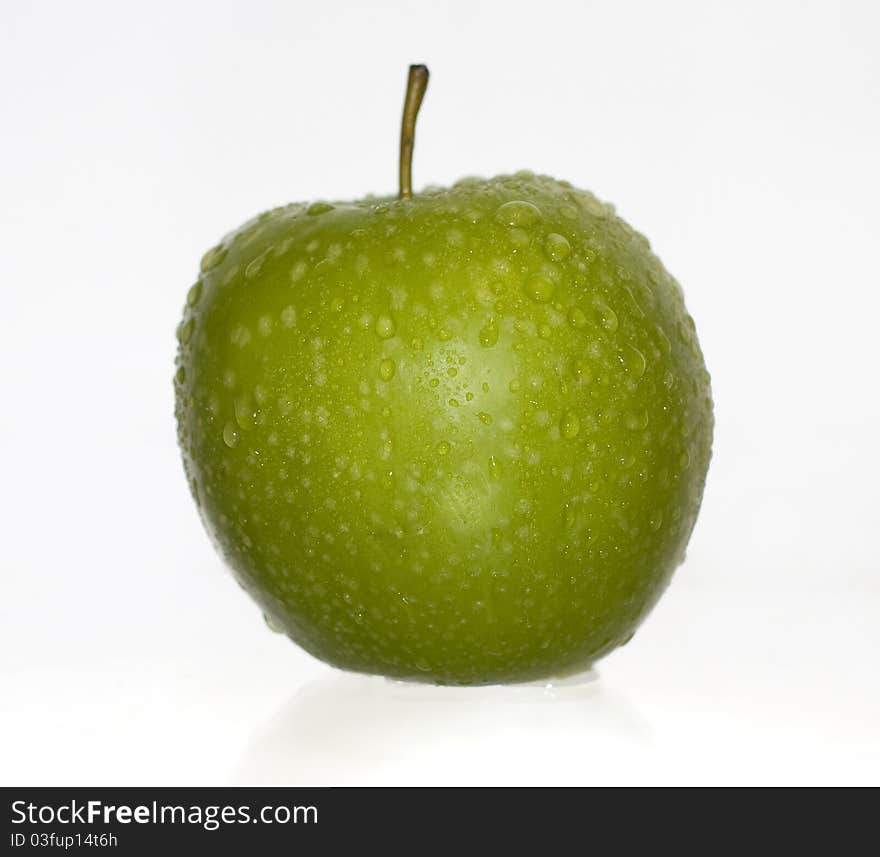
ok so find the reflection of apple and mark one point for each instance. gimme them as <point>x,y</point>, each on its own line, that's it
<point>460,436</point>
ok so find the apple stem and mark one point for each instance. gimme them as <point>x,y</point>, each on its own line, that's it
<point>416,85</point>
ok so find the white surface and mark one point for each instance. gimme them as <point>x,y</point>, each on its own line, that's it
<point>742,138</point>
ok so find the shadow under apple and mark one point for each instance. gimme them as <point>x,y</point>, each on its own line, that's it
<point>351,729</point>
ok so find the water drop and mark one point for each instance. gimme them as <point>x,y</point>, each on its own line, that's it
<point>664,344</point>
<point>494,468</point>
<point>539,287</point>
<point>556,247</point>
<point>185,331</point>
<point>443,447</point>
<point>244,412</point>
<point>485,419</point>
<point>230,435</point>
<point>489,333</point>
<point>518,213</point>
<point>656,520</point>
<point>213,258</point>
<point>569,424</point>
<point>633,360</point>
<point>273,624</point>
<point>385,326</point>
<point>582,371</point>
<point>193,295</point>
<point>607,316</point>
<point>387,369</point>
<point>576,318</point>
<point>317,208</point>
<point>518,237</point>
<point>253,268</point>
<point>637,421</point>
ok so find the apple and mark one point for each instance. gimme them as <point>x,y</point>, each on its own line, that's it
<point>458,436</point>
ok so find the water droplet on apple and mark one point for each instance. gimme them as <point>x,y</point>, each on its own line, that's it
<point>637,421</point>
<point>213,258</point>
<point>576,318</point>
<point>494,468</point>
<point>556,247</point>
<point>485,419</point>
<point>244,411</point>
<point>443,447</point>
<point>489,333</point>
<point>582,371</point>
<point>317,208</point>
<point>185,331</point>
<point>519,238</point>
<point>656,520</point>
<point>193,295</point>
<point>387,369</point>
<point>539,287</point>
<point>633,360</point>
<point>230,435</point>
<point>663,342</point>
<point>273,624</point>
<point>607,316</point>
<point>253,268</point>
<point>569,424</point>
<point>180,375</point>
<point>518,213</point>
<point>385,326</point>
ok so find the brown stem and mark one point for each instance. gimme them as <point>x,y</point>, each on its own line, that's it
<point>416,85</point>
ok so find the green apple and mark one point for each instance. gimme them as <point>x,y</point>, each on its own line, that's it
<point>459,436</point>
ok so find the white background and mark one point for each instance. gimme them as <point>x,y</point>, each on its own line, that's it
<point>742,138</point>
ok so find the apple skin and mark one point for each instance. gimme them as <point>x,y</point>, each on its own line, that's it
<point>460,438</point>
